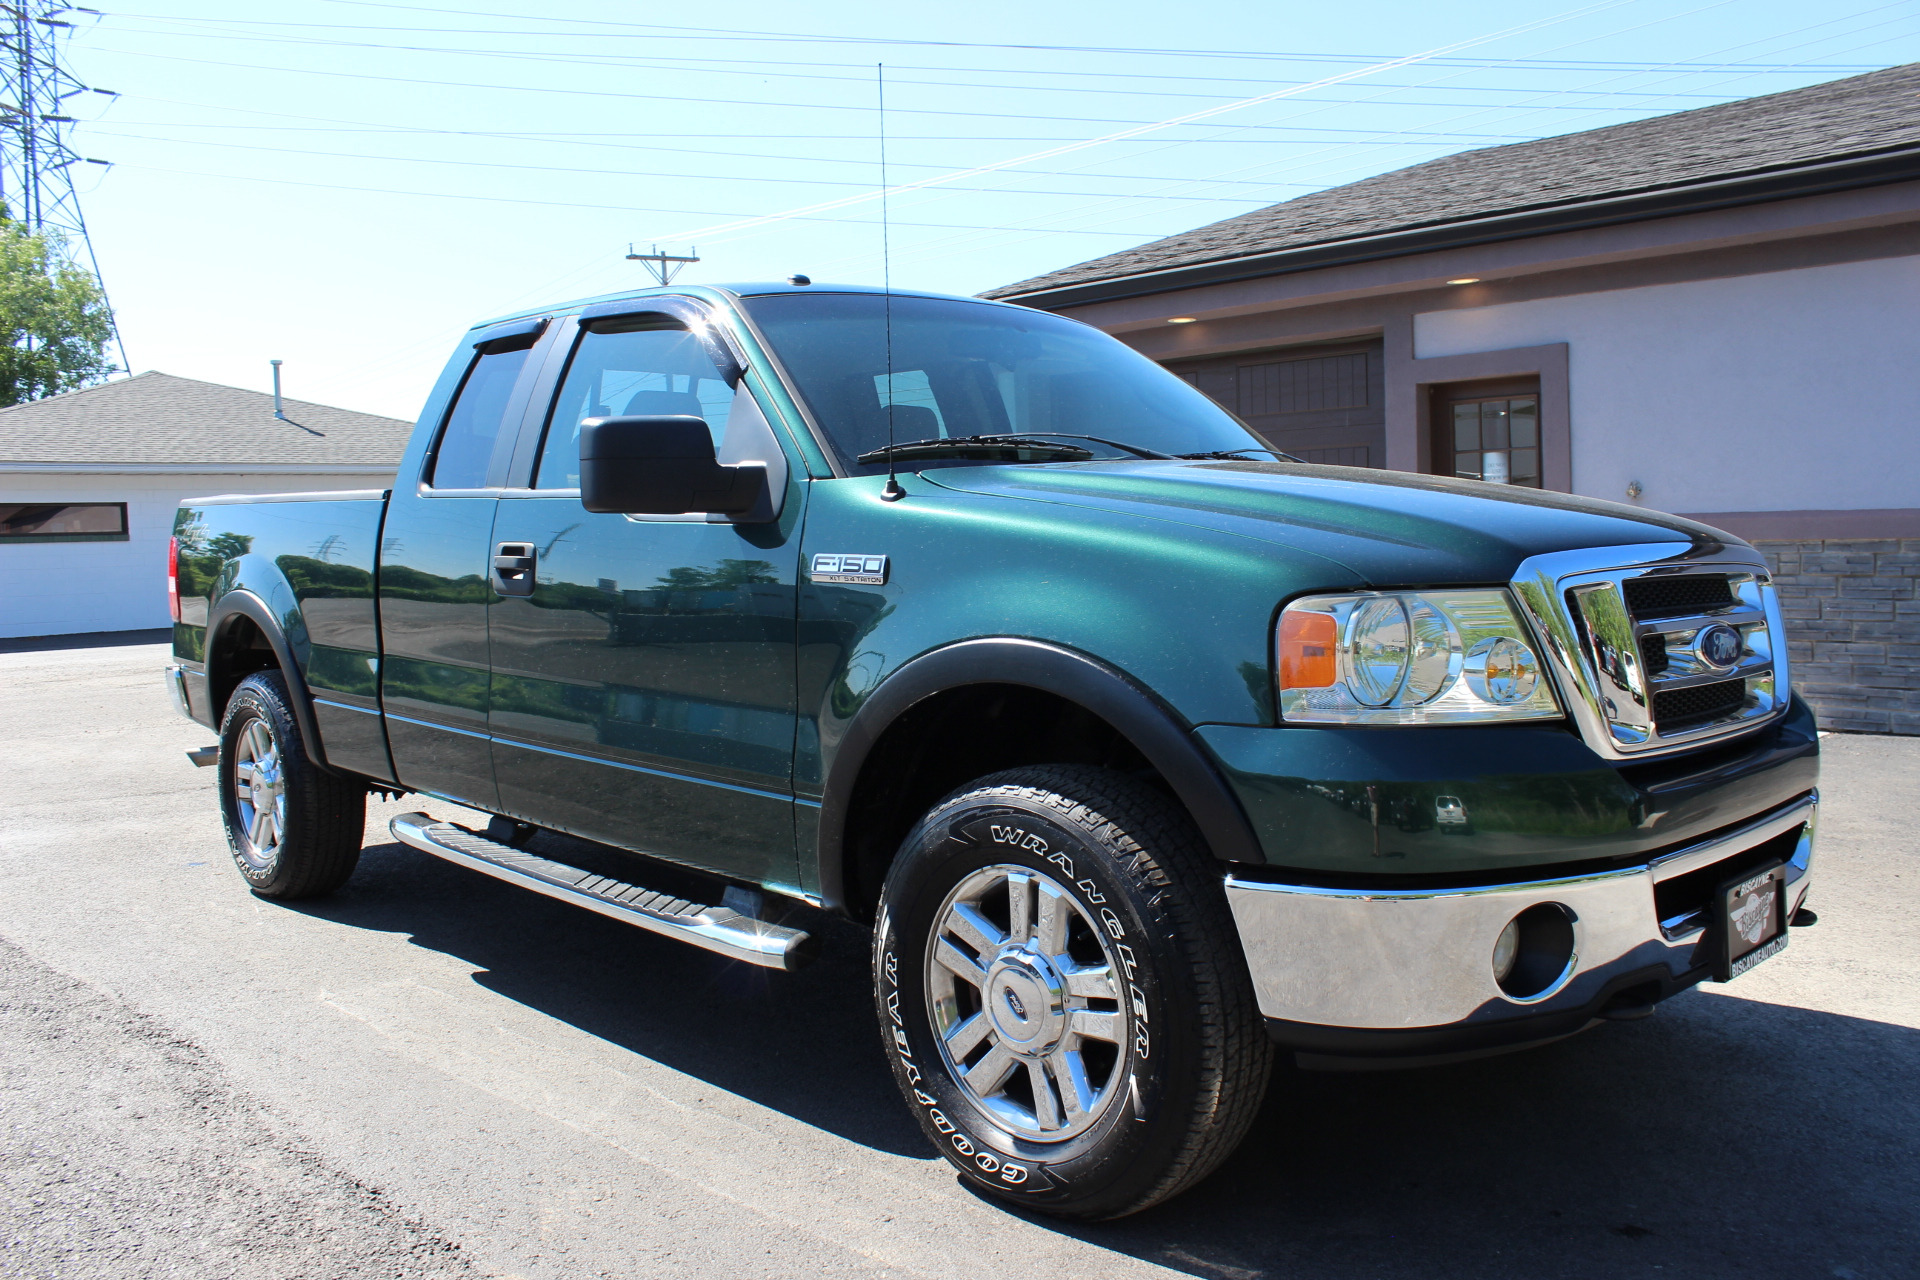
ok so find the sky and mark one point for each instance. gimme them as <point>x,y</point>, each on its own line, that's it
<point>346,185</point>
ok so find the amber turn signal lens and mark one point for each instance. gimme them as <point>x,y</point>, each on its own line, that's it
<point>1307,643</point>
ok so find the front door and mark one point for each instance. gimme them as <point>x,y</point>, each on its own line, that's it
<point>642,693</point>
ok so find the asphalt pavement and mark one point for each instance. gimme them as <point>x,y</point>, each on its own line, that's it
<point>434,1074</point>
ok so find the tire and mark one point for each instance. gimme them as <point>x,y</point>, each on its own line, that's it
<point>294,830</point>
<point>1120,1091</point>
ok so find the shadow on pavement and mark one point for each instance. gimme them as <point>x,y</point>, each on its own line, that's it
<point>804,1043</point>
<point>1723,1137</point>
<point>86,640</point>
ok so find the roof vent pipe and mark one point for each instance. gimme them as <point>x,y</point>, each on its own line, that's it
<point>278,412</point>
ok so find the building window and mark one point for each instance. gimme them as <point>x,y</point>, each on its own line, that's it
<point>1497,440</point>
<point>63,522</point>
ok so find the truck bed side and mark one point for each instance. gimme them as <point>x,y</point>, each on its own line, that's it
<point>287,581</point>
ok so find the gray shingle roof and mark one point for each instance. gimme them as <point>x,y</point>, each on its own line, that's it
<point>1856,116</point>
<point>156,418</point>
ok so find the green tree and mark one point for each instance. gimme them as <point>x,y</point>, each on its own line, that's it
<point>55,325</point>
<point>724,576</point>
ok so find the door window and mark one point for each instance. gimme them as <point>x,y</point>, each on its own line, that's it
<point>1497,440</point>
<point>631,366</point>
<point>463,456</point>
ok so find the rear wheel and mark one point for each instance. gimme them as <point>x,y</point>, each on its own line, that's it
<point>295,831</point>
<point>1062,993</point>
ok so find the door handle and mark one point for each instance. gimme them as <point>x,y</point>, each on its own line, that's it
<point>513,572</point>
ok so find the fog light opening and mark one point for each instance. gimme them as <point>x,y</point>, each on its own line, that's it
<point>1506,950</point>
<point>1533,956</point>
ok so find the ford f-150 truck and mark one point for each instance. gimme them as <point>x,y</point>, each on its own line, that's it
<point>1146,752</point>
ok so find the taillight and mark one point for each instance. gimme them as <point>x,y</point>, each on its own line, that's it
<point>173,578</point>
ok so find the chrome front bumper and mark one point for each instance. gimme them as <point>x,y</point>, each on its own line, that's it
<point>1422,959</point>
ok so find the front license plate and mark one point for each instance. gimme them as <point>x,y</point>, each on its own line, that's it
<point>1752,919</point>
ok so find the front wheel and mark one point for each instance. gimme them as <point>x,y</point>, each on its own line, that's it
<point>295,830</point>
<point>1062,994</point>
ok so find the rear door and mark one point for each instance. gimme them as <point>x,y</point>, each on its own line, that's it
<point>643,690</point>
<point>435,579</point>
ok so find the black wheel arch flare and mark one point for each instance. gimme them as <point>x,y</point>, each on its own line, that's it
<point>1154,729</point>
<point>226,611</point>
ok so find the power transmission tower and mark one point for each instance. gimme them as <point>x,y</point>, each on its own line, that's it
<point>36,162</point>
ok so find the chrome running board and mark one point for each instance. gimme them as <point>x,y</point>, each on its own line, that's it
<point>720,929</point>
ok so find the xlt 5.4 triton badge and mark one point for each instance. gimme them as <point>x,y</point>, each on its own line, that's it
<point>830,567</point>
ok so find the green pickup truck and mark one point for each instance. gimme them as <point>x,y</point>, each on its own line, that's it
<point>1146,751</point>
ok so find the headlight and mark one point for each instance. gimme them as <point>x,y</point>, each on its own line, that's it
<point>1409,657</point>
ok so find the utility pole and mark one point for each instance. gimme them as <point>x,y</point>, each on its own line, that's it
<point>36,162</point>
<point>663,266</point>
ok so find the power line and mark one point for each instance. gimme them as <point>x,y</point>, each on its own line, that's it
<point>735,102</point>
<point>1191,117</point>
<point>708,65</point>
<point>1083,212</point>
<point>577,204</point>
<point>603,173</point>
<point>564,140</point>
<point>725,33</point>
<point>716,66</point>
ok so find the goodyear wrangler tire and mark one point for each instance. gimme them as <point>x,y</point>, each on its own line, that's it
<point>1062,995</point>
<point>294,830</point>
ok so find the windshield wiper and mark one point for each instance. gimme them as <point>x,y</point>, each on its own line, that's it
<point>1134,449</point>
<point>1037,447</point>
<point>1228,455</point>
<point>993,448</point>
<point>1032,440</point>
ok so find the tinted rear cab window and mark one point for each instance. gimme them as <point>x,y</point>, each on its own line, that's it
<point>464,454</point>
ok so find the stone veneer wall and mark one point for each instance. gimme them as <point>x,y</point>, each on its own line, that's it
<point>1853,629</point>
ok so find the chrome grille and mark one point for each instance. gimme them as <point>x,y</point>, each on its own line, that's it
<point>1631,633</point>
<point>1675,708</point>
<point>1676,597</point>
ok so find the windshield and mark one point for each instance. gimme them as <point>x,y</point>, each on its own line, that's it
<point>971,369</point>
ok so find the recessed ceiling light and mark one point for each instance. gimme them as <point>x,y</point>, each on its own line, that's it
<point>1466,280</point>
<point>1180,319</point>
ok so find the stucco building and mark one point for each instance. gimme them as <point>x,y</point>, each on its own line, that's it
<point>89,482</point>
<point>1715,313</point>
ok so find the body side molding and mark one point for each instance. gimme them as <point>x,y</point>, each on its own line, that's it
<point>1138,715</point>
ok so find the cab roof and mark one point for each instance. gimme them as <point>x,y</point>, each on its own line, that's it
<point>751,289</point>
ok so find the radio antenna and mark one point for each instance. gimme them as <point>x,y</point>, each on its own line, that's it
<point>893,492</point>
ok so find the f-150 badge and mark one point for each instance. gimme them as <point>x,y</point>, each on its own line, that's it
<point>831,567</point>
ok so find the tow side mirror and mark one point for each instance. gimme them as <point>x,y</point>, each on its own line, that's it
<point>661,466</point>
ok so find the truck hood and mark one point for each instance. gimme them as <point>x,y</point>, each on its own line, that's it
<point>1389,528</point>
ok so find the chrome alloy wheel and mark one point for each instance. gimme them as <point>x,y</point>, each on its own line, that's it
<point>259,792</point>
<point>1025,1003</point>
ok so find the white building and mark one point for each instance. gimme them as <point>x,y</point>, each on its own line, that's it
<point>89,482</point>
<point>1714,313</point>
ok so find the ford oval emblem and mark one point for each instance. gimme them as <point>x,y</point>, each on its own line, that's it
<point>1013,1003</point>
<point>1719,645</point>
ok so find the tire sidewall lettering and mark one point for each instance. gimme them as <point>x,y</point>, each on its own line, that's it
<point>979,1150</point>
